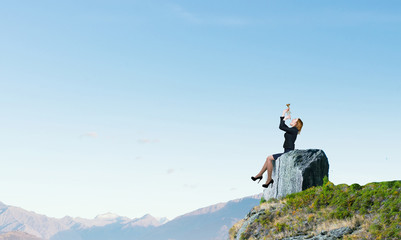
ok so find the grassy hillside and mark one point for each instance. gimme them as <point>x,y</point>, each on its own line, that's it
<point>368,212</point>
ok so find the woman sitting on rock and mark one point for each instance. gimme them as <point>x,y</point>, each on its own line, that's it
<point>289,145</point>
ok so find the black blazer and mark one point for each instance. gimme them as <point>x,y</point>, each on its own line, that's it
<point>290,134</point>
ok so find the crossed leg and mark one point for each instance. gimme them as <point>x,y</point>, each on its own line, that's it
<point>267,166</point>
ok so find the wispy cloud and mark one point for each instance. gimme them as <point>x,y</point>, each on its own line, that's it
<point>231,21</point>
<point>208,20</point>
<point>333,18</point>
<point>89,134</point>
<point>170,171</point>
<point>147,140</point>
<point>184,14</point>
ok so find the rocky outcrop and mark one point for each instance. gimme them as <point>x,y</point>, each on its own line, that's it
<point>327,212</point>
<point>334,234</point>
<point>250,227</point>
<point>296,171</point>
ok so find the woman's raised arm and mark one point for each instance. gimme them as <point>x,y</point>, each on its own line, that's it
<point>285,128</point>
<point>285,111</point>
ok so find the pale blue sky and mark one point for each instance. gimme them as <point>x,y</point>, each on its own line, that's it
<point>164,107</point>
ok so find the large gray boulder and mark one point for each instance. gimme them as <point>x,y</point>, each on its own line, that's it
<point>296,171</point>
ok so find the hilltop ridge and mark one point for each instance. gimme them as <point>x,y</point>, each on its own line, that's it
<point>327,212</point>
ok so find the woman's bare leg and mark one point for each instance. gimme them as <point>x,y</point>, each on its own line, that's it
<point>267,166</point>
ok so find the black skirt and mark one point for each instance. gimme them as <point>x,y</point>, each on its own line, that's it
<point>277,155</point>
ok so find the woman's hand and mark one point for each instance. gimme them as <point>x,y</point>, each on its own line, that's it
<point>285,111</point>
<point>287,117</point>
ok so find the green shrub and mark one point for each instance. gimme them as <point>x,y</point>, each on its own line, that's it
<point>355,187</point>
<point>325,180</point>
<point>281,227</point>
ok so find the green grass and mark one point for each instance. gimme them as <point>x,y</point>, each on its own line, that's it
<point>374,209</point>
<point>379,202</point>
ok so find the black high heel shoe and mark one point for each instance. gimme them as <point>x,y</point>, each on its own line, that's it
<point>267,185</point>
<point>256,178</point>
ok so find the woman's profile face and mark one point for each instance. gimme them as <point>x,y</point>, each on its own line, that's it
<point>294,122</point>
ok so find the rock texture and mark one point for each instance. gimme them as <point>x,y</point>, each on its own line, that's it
<point>296,171</point>
<point>325,235</point>
<point>254,231</point>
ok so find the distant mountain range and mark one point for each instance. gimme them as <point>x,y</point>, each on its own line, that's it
<point>16,235</point>
<point>212,222</point>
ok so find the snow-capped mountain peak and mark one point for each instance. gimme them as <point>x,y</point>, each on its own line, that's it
<point>145,221</point>
<point>2,205</point>
<point>108,215</point>
<point>162,220</point>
